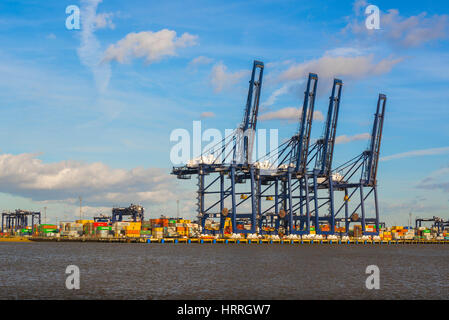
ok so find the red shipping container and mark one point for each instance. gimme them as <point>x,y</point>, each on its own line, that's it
<point>100,224</point>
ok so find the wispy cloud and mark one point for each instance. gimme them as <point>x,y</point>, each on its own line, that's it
<point>152,46</point>
<point>290,114</point>
<point>90,52</point>
<point>222,79</point>
<point>345,139</point>
<point>284,89</point>
<point>437,180</point>
<point>207,114</point>
<point>417,153</point>
<point>201,60</point>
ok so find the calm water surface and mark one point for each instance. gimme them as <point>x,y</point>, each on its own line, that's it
<point>214,271</point>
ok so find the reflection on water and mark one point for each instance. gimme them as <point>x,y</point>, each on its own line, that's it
<point>216,271</point>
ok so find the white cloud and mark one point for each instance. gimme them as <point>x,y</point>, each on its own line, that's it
<point>405,31</point>
<point>328,67</point>
<point>345,139</point>
<point>27,176</point>
<point>50,36</point>
<point>90,52</point>
<point>222,79</point>
<point>414,30</point>
<point>290,114</point>
<point>104,20</point>
<point>417,153</point>
<point>200,60</point>
<point>152,46</point>
<point>207,114</point>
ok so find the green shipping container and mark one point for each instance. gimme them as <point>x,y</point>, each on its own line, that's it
<point>104,228</point>
<point>426,231</point>
<point>49,230</point>
<point>145,232</point>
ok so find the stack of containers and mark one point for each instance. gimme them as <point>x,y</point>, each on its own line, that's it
<point>89,229</point>
<point>118,228</point>
<point>195,230</point>
<point>386,235</point>
<point>75,229</point>
<point>312,230</point>
<point>47,230</point>
<point>102,230</point>
<point>171,229</point>
<point>340,229</point>
<point>133,229</point>
<point>409,234</point>
<point>182,229</point>
<point>357,231</point>
<point>27,231</point>
<point>397,232</point>
<point>145,231</point>
<point>426,235</point>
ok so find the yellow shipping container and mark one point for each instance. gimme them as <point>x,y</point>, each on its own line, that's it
<point>84,221</point>
<point>133,235</point>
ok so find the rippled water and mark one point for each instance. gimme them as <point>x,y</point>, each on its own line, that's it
<point>216,271</point>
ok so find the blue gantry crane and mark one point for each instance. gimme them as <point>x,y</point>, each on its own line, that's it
<point>287,176</point>
<point>19,219</point>
<point>360,174</point>
<point>232,159</point>
<point>135,211</point>
<point>321,190</point>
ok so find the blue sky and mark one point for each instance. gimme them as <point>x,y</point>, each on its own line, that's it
<point>67,133</point>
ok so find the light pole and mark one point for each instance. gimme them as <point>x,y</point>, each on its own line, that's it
<point>81,216</point>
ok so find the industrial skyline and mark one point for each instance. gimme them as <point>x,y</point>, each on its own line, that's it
<point>88,113</point>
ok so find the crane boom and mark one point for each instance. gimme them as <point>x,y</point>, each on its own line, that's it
<point>252,109</point>
<point>305,127</point>
<point>326,150</point>
<point>376,136</point>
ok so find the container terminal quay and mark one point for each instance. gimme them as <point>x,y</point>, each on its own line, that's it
<point>293,194</point>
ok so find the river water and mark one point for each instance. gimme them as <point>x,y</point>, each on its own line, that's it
<point>220,271</point>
